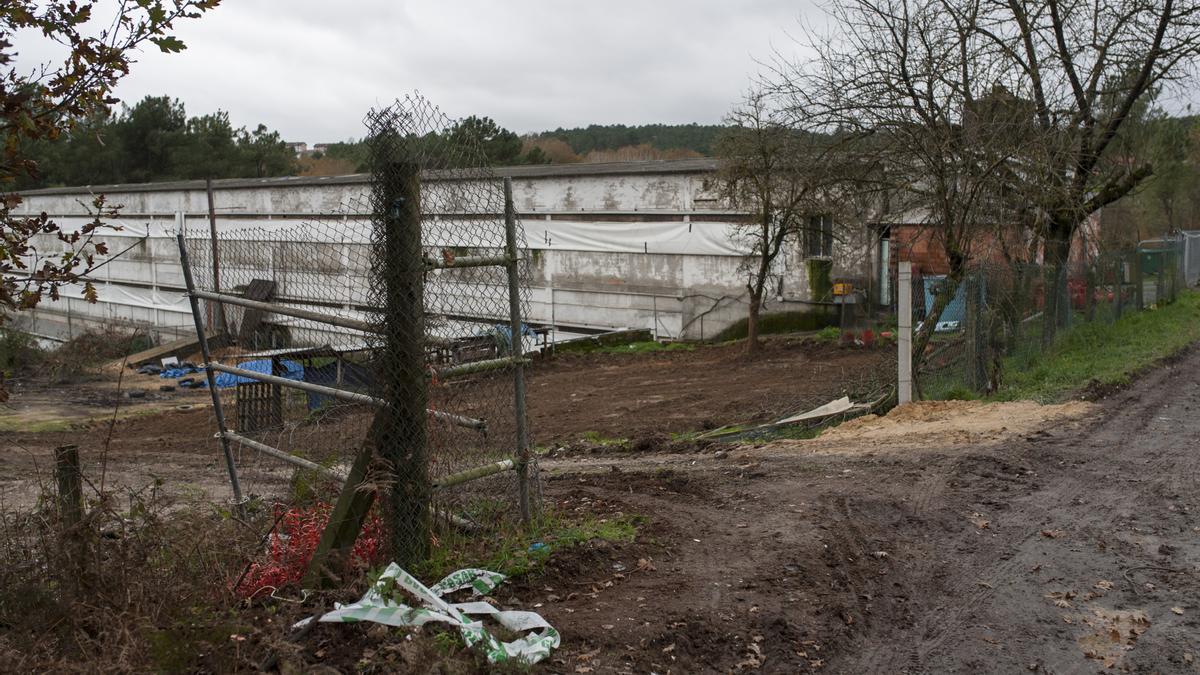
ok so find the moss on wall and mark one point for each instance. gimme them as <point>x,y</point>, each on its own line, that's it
<point>820,279</point>
<point>782,322</point>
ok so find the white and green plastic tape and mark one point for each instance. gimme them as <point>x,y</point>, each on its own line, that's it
<point>379,606</point>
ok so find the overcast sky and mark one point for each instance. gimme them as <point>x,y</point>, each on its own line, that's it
<point>312,68</point>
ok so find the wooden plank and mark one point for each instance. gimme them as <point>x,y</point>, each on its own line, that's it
<point>345,522</point>
<point>258,290</point>
<point>177,348</point>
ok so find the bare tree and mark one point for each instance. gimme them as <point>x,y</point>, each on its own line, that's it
<point>785,177</point>
<point>1086,68</point>
<point>903,82</point>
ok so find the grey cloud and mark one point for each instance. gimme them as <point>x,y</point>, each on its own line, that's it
<point>312,68</point>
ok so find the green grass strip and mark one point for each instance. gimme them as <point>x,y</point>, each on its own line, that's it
<point>1108,354</point>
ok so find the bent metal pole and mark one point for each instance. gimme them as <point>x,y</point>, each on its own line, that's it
<point>208,371</point>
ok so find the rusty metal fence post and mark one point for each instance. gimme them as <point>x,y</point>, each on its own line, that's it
<point>516,342</point>
<point>202,336</point>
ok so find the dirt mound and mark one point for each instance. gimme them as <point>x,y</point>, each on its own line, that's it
<point>947,423</point>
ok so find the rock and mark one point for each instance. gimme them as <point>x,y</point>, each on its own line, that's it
<point>720,454</point>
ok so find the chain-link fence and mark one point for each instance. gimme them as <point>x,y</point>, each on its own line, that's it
<point>380,348</point>
<point>1189,258</point>
<point>1004,316</point>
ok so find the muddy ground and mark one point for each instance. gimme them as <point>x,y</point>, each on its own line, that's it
<point>167,436</point>
<point>1046,540</point>
<point>1072,548</point>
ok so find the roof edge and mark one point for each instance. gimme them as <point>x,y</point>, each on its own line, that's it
<point>642,167</point>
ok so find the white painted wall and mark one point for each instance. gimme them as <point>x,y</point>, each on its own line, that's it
<point>609,249</point>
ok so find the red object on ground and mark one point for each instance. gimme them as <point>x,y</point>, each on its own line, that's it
<point>293,543</point>
<point>868,338</point>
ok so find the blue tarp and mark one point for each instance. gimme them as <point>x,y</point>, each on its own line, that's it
<point>503,334</point>
<point>292,371</point>
<point>355,377</point>
<point>955,311</point>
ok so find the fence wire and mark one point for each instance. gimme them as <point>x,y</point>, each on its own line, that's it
<point>1003,317</point>
<point>422,333</point>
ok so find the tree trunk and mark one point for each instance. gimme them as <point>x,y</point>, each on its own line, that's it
<point>1055,311</point>
<point>921,341</point>
<point>752,323</point>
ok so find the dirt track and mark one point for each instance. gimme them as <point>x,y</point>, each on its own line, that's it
<point>1064,550</point>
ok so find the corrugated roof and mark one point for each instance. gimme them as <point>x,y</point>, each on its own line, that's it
<point>666,166</point>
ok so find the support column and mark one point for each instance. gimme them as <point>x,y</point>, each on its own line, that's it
<point>904,332</point>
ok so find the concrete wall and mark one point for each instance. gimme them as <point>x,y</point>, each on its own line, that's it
<point>637,245</point>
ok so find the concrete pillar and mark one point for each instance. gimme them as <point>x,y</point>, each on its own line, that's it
<point>904,332</point>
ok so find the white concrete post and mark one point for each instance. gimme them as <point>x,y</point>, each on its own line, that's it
<point>904,312</point>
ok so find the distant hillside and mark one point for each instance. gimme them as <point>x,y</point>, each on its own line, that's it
<point>698,138</point>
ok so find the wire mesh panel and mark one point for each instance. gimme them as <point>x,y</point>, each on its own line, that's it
<point>399,321</point>
<point>1002,317</point>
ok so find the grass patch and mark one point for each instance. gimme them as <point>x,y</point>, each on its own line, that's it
<point>16,423</point>
<point>521,551</point>
<point>596,438</point>
<point>829,334</point>
<point>1102,354</point>
<point>640,347</point>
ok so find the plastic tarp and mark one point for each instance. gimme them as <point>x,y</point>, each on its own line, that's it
<point>841,405</point>
<point>292,371</point>
<point>670,237</point>
<point>955,311</point>
<point>380,605</point>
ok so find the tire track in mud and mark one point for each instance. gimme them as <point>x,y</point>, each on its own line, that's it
<point>1120,425</point>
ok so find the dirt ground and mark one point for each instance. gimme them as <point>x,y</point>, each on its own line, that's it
<point>167,436</point>
<point>942,538</point>
<point>1070,547</point>
<point>627,395</point>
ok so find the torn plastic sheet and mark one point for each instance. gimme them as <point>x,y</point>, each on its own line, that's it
<point>840,405</point>
<point>379,607</point>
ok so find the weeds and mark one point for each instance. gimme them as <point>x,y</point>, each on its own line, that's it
<point>1102,355</point>
<point>596,438</point>
<point>17,350</point>
<point>518,551</point>
<point>126,589</point>
<point>829,334</point>
<point>642,347</point>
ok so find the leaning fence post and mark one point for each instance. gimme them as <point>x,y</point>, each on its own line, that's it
<point>516,344</point>
<point>219,317</point>
<point>904,331</point>
<point>198,319</point>
<point>70,485</point>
